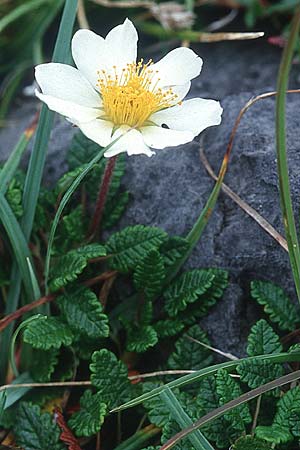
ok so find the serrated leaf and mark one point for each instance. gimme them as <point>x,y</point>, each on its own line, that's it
<point>110,377</point>
<point>47,332</point>
<point>36,431</point>
<point>173,249</point>
<point>14,196</point>
<point>274,434</point>
<point>219,430</point>
<point>262,340</point>
<point>43,364</point>
<point>251,443</point>
<point>149,274</point>
<point>188,354</point>
<point>129,246</point>
<point>89,419</point>
<point>276,303</point>
<point>81,151</point>
<point>139,339</point>
<point>258,372</point>
<point>157,411</point>
<point>83,312</point>
<point>287,407</point>
<point>168,327</point>
<point>114,210</point>
<point>228,389</point>
<point>67,179</point>
<point>169,430</point>
<point>69,266</point>
<point>186,289</point>
<point>74,225</point>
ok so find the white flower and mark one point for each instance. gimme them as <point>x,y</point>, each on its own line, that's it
<point>110,93</point>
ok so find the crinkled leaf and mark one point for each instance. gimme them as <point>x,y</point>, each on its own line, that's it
<point>47,332</point>
<point>14,196</point>
<point>186,289</point>
<point>139,339</point>
<point>114,210</point>
<point>168,327</point>
<point>81,151</point>
<point>83,312</point>
<point>274,434</point>
<point>129,246</point>
<point>89,419</point>
<point>158,412</point>
<point>173,249</point>
<point>251,443</point>
<point>228,389</point>
<point>34,430</point>
<point>276,303</point>
<point>258,372</point>
<point>69,266</point>
<point>43,364</point>
<point>149,274</point>
<point>189,354</point>
<point>110,377</point>
<point>262,340</point>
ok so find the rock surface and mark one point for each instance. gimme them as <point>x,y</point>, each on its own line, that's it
<point>170,189</point>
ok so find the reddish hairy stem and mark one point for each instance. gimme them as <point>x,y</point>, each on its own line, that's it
<point>101,199</point>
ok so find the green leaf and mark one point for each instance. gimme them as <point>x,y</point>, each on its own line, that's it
<point>47,332</point>
<point>114,210</point>
<point>188,354</point>
<point>263,340</point>
<point>81,150</point>
<point>83,312</point>
<point>74,225</point>
<point>274,434</point>
<point>14,197</point>
<point>36,431</point>
<point>2,403</point>
<point>129,246</point>
<point>168,327</point>
<point>276,303</point>
<point>287,407</point>
<point>173,249</point>
<point>110,377</point>
<point>89,419</point>
<point>251,443</point>
<point>67,179</point>
<point>228,389</point>
<point>69,266</point>
<point>219,430</point>
<point>157,411</point>
<point>169,430</point>
<point>186,289</point>
<point>149,274</point>
<point>139,339</point>
<point>43,364</point>
<point>257,372</point>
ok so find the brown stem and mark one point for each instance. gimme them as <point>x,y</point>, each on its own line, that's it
<point>103,191</point>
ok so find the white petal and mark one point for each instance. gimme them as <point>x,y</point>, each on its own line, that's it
<point>158,137</point>
<point>178,67</point>
<point>71,110</point>
<point>66,83</point>
<point>99,131</point>
<point>131,142</point>
<point>121,45</point>
<point>88,50</point>
<point>181,90</point>
<point>192,115</point>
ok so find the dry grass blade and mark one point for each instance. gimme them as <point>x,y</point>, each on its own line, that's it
<point>217,37</point>
<point>124,4</point>
<point>244,206</point>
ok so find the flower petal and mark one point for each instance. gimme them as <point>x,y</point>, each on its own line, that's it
<point>193,115</point>
<point>88,50</point>
<point>73,111</point>
<point>178,67</point>
<point>181,90</point>
<point>158,137</point>
<point>99,131</point>
<point>121,45</point>
<point>131,142</point>
<point>66,83</point>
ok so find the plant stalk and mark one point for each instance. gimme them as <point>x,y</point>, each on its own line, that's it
<point>102,196</point>
<point>282,164</point>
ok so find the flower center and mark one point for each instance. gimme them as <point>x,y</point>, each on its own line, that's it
<point>130,97</point>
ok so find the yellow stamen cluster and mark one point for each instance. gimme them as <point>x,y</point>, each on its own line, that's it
<point>131,96</point>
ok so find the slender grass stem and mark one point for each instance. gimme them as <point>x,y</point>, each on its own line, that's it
<point>282,164</point>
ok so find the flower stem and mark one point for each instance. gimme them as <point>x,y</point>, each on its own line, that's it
<point>282,165</point>
<point>102,196</point>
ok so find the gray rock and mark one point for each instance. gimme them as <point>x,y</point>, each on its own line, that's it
<point>170,189</point>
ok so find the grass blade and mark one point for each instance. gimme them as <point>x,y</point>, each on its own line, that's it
<point>203,373</point>
<point>18,12</point>
<point>282,164</point>
<point>196,438</point>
